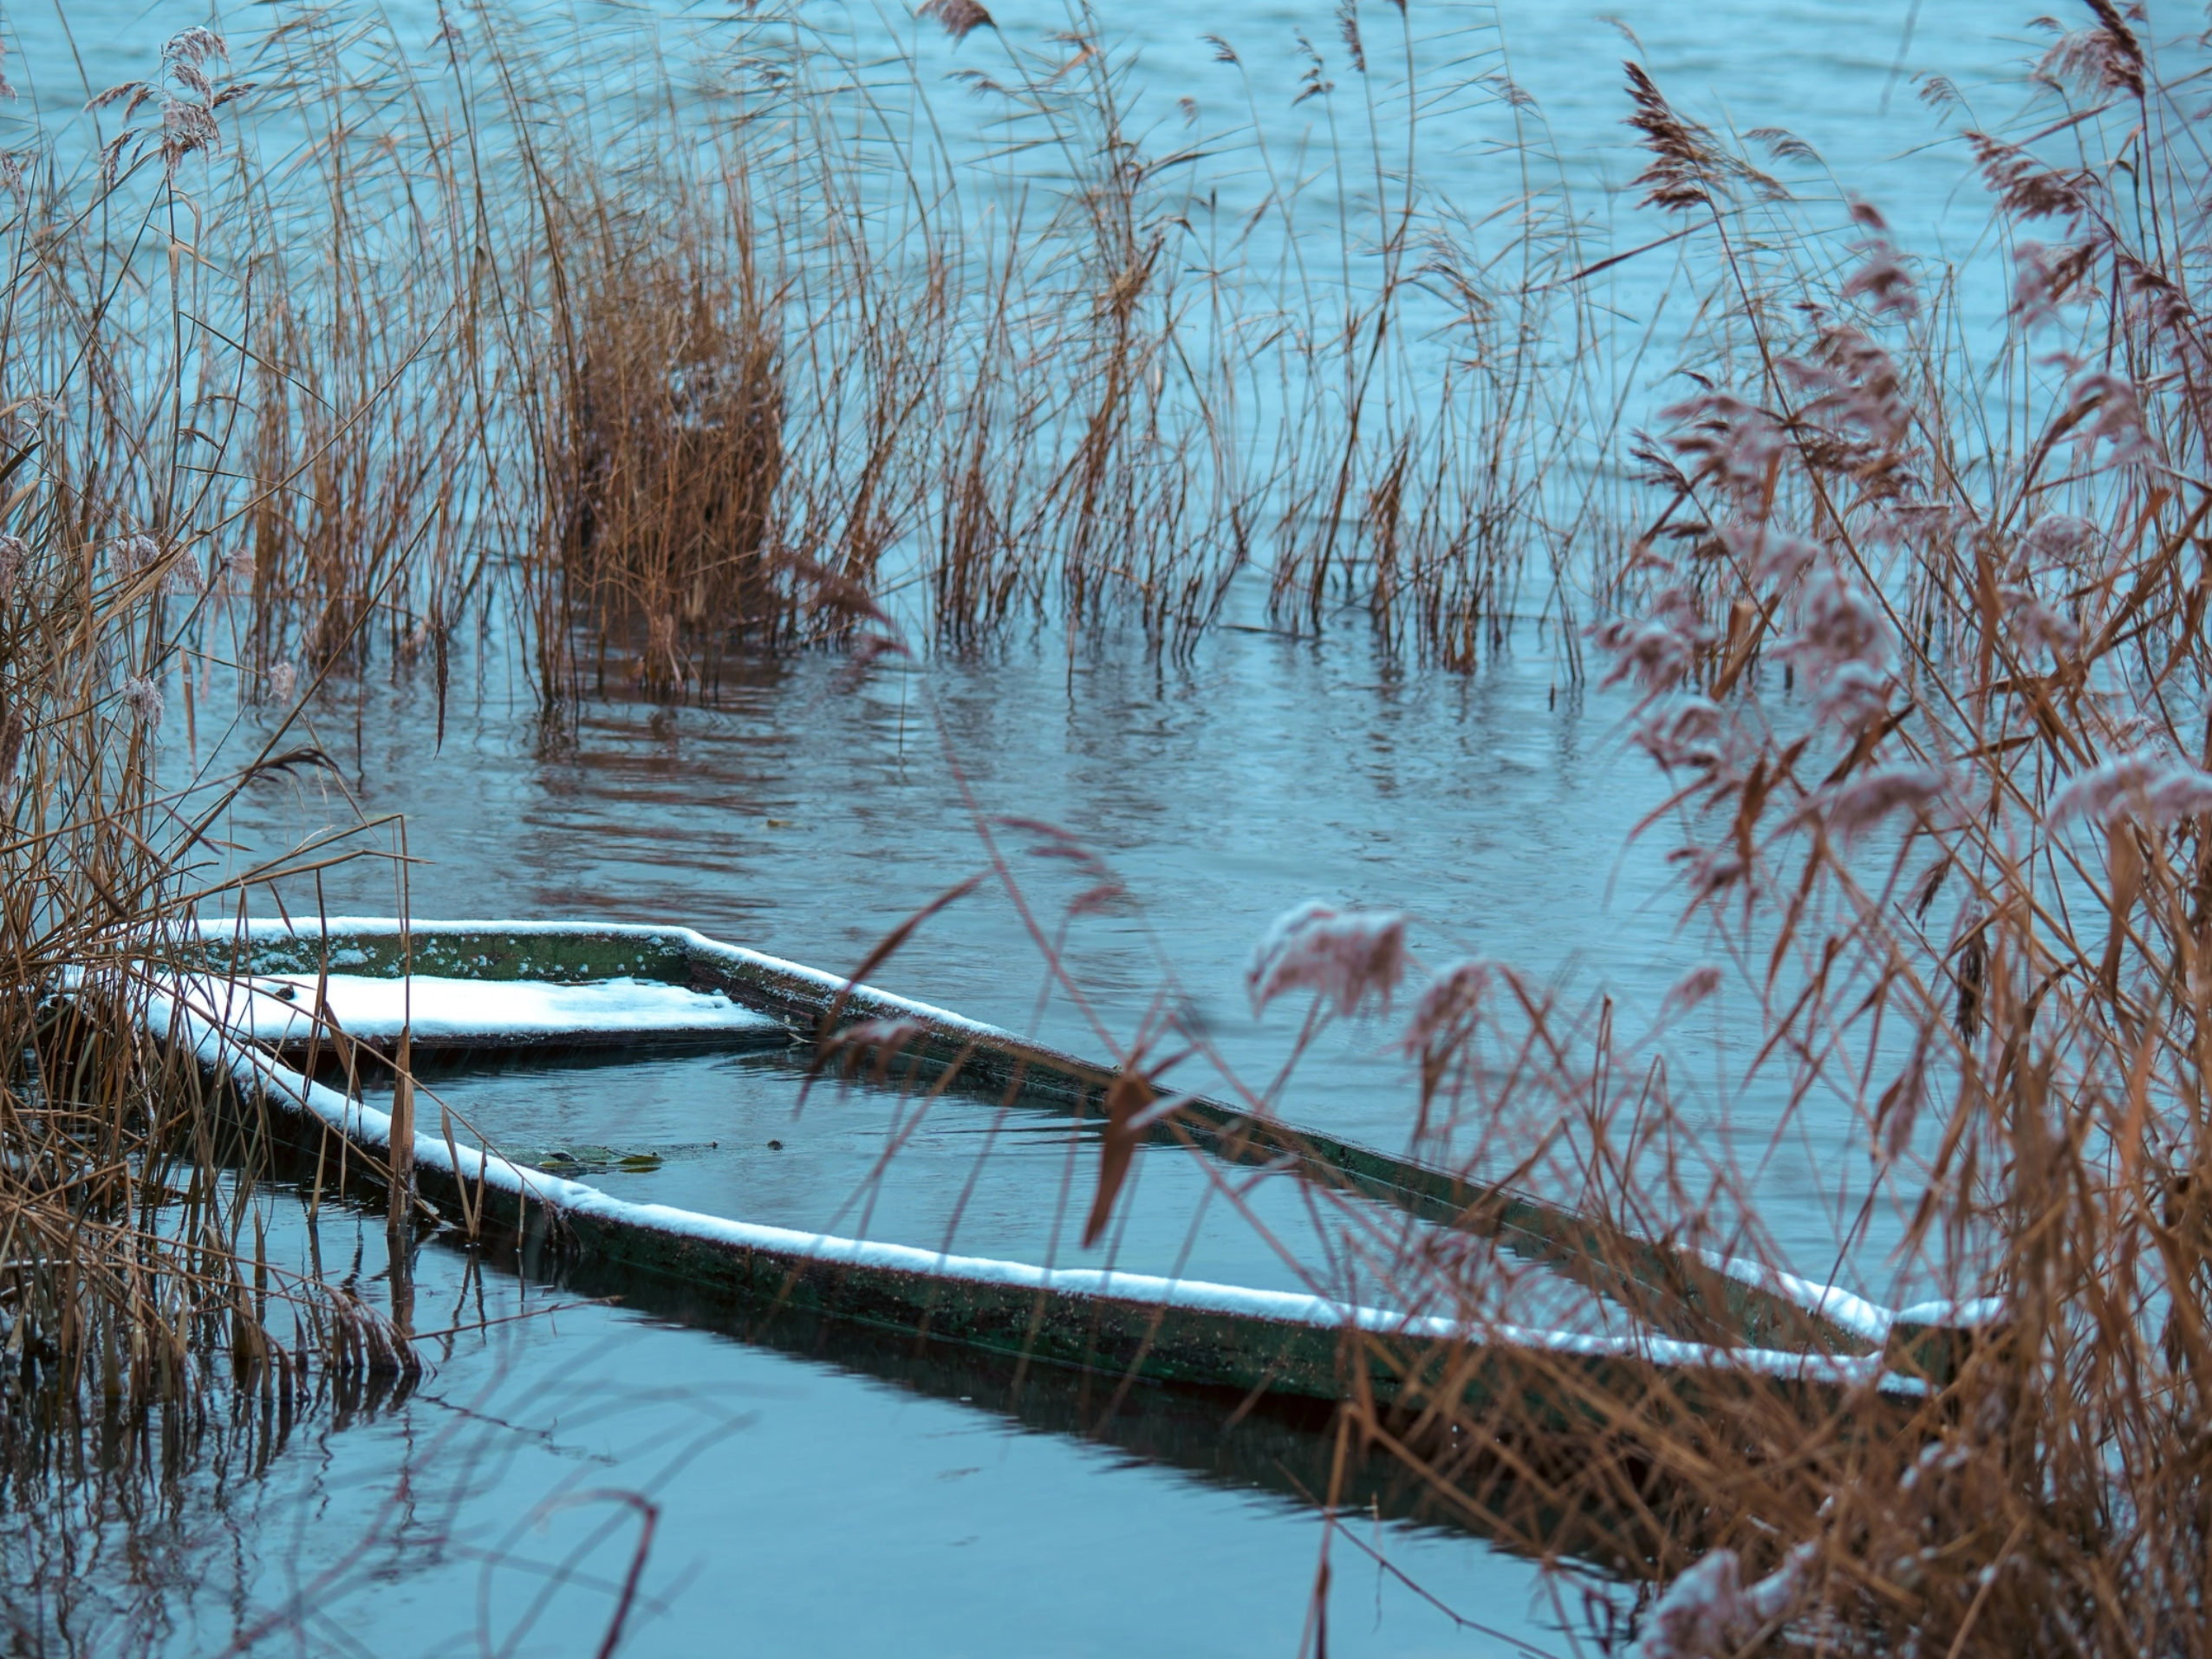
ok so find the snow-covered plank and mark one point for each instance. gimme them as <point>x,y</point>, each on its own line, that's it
<point>443,1014</point>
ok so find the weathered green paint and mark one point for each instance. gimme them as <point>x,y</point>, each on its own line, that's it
<point>1935,1353</point>
<point>565,958</point>
<point>1542,1389</point>
<point>575,1158</point>
<point>1669,1288</point>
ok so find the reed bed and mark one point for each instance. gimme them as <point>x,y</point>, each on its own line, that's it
<point>1917,635</point>
<point>653,345</point>
<point>142,1311</point>
<point>147,1326</point>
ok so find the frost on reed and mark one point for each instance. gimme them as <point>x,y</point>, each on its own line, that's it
<point>1345,958</point>
<point>1917,636</point>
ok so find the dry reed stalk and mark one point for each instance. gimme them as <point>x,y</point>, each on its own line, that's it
<point>134,1286</point>
<point>1931,692</point>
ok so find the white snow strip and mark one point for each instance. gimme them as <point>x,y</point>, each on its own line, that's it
<point>862,996</point>
<point>439,1008</point>
<point>1969,1313</point>
<point>254,1070</point>
<point>1839,1307</point>
<point>1869,1320</point>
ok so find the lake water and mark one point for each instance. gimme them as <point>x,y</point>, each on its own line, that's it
<point>829,1498</point>
<point>808,815</point>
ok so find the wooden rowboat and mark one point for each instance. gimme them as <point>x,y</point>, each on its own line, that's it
<point>256,1002</point>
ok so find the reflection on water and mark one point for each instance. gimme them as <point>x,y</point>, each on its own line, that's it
<point>816,1490</point>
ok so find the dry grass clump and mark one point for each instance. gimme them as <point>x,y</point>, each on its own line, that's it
<point>674,453</point>
<point>132,1274</point>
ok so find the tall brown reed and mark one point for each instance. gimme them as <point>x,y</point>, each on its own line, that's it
<point>133,1281</point>
<point>653,362</point>
<point>674,447</point>
<point>1927,669</point>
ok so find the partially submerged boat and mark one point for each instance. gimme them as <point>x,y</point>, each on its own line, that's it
<point>275,1008</point>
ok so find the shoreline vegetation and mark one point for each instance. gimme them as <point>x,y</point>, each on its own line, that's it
<point>331,348</point>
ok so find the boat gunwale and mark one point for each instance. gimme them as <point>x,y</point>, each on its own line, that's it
<point>1759,1301</point>
<point>1102,1320</point>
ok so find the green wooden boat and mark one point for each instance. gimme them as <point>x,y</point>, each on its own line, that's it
<point>256,1001</point>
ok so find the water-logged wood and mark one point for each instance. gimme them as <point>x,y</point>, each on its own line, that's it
<point>1109,1323</point>
<point>1682,1293</point>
